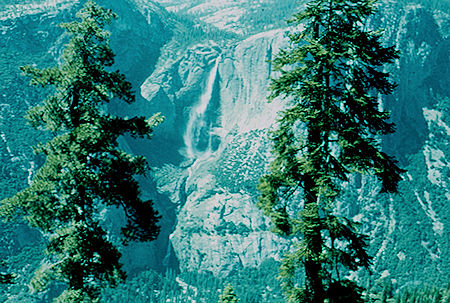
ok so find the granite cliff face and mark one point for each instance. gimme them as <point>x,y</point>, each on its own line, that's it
<point>207,156</point>
<point>225,151</point>
<point>214,97</point>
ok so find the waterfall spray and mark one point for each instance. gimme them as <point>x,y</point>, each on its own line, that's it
<point>197,120</point>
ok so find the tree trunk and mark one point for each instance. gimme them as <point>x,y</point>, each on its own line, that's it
<point>312,221</point>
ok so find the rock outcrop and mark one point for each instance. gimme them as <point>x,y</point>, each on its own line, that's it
<point>218,227</point>
<point>207,156</point>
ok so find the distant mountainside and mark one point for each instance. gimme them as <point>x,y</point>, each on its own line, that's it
<point>205,65</point>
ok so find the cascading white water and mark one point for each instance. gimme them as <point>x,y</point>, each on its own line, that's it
<point>196,123</point>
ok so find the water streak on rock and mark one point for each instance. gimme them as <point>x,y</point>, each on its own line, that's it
<point>197,127</point>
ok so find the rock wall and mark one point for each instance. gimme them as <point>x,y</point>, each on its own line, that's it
<point>207,156</point>
<point>218,227</point>
<point>215,103</point>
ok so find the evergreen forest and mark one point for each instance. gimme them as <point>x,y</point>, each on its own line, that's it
<point>252,152</point>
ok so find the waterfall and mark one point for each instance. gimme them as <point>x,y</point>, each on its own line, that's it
<point>197,137</point>
<point>166,260</point>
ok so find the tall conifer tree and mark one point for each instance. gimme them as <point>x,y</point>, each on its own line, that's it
<point>228,295</point>
<point>330,76</point>
<point>85,171</point>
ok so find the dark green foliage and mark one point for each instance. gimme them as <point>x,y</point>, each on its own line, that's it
<point>330,77</point>
<point>264,17</point>
<point>189,31</point>
<point>16,166</point>
<point>147,286</point>
<point>6,278</point>
<point>345,291</point>
<point>418,186</point>
<point>228,295</point>
<point>257,285</point>
<point>13,99</point>
<point>85,171</point>
<point>22,263</point>
<point>424,295</point>
<point>251,285</point>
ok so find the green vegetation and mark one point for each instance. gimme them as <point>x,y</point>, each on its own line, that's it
<point>423,189</point>
<point>189,31</point>
<point>423,295</point>
<point>147,286</point>
<point>262,16</point>
<point>228,295</point>
<point>16,157</point>
<point>84,171</point>
<point>14,100</point>
<point>237,169</point>
<point>330,77</point>
<point>5,277</point>
<point>23,263</point>
<point>443,5</point>
<point>417,294</point>
<point>251,285</point>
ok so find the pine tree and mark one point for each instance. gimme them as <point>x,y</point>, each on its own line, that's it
<point>228,295</point>
<point>330,76</point>
<point>85,171</point>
